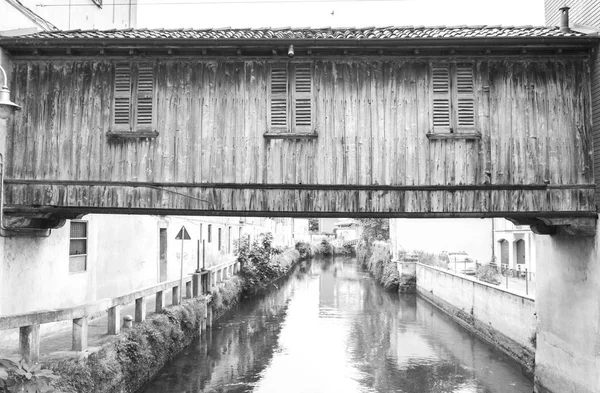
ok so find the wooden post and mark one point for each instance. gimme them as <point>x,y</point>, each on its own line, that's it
<point>140,309</point>
<point>160,301</point>
<point>176,299</point>
<point>29,342</point>
<point>80,334</point>
<point>114,320</point>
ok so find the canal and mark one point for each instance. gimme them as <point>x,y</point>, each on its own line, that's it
<point>331,328</point>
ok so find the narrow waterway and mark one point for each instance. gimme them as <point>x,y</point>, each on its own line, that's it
<point>331,328</point>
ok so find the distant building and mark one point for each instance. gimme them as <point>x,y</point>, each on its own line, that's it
<point>346,229</point>
<point>27,16</point>
<point>514,246</point>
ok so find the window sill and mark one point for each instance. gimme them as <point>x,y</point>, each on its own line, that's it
<point>456,135</point>
<point>291,135</point>
<point>131,134</point>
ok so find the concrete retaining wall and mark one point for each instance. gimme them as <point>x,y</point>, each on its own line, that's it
<point>505,319</point>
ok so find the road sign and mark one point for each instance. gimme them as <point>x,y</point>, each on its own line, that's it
<point>183,234</point>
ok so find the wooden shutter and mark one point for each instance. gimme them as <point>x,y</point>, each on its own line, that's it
<point>465,103</point>
<point>302,115</point>
<point>145,96</point>
<point>279,97</point>
<point>441,97</point>
<point>122,97</point>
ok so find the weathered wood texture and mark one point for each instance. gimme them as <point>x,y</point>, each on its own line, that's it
<point>584,13</point>
<point>372,119</point>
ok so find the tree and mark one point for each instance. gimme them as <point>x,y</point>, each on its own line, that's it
<point>375,229</point>
<point>313,225</point>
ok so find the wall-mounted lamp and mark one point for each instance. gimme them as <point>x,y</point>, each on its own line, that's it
<point>7,107</point>
<point>291,51</point>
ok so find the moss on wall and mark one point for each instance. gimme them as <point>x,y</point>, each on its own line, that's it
<point>136,355</point>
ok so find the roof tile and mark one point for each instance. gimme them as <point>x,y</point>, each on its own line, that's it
<point>369,33</point>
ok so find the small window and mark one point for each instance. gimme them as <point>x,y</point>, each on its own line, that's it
<point>209,233</point>
<point>453,98</point>
<point>290,98</point>
<point>219,239</point>
<point>78,247</point>
<point>133,108</point>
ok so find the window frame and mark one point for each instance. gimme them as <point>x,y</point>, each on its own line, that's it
<point>295,91</point>
<point>453,129</point>
<point>84,255</point>
<point>137,91</point>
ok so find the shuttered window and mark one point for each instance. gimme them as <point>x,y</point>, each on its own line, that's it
<point>78,247</point>
<point>453,98</point>
<point>290,106</point>
<point>133,108</point>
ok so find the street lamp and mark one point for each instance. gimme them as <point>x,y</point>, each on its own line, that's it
<point>7,107</point>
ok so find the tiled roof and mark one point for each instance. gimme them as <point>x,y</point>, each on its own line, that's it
<point>370,33</point>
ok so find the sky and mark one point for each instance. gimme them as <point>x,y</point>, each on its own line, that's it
<point>337,13</point>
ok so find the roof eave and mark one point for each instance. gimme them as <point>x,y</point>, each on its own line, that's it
<point>576,41</point>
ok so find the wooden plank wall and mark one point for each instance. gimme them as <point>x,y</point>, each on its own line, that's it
<point>372,117</point>
<point>584,13</point>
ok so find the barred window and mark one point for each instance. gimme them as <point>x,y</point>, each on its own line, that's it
<point>78,247</point>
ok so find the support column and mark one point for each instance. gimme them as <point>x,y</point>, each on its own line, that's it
<point>29,342</point>
<point>80,334</point>
<point>196,290</point>
<point>140,309</point>
<point>114,320</point>
<point>175,301</point>
<point>160,301</point>
<point>188,290</point>
<point>568,312</point>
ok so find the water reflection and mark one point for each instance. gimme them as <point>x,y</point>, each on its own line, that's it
<point>330,328</point>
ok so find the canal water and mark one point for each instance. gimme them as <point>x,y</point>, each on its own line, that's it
<point>331,328</point>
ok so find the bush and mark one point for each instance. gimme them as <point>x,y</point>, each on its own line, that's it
<point>489,274</point>
<point>258,265</point>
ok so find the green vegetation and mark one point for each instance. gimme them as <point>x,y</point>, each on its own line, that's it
<point>129,361</point>
<point>24,377</point>
<point>226,296</point>
<point>489,274</point>
<point>377,259</point>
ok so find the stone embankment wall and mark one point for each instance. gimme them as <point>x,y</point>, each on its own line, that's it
<point>505,319</point>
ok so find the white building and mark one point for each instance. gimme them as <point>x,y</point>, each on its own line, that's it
<point>21,16</point>
<point>514,245</point>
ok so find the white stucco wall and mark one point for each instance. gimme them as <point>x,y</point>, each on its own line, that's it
<point>435,235</point>
<point>568,306</point>
<point>36,274</point>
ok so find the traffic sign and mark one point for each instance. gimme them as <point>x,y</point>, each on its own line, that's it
<point>183,234</point>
